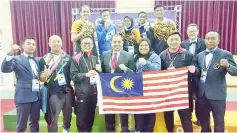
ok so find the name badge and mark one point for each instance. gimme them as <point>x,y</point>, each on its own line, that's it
<point>61,79</point>
<point>144,35</point>
<point>35,85</point>
<point>171,67</point>
<point>131,49</point>
<point>203,76</point>
<point>92,80</point>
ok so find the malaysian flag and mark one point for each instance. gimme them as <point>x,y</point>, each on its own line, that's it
<point>147,92</point>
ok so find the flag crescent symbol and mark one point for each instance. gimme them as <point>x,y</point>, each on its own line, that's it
<point>112,84</point>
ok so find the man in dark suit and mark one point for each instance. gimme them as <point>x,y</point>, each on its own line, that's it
<point>117,61</point>
<point>26,68</point>
<point>213,64</point>
<point>195,45</point>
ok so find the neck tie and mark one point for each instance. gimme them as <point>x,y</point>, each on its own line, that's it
<point>30,57</point>
<point>193,43</point>
<point>114,61</point>
<point>33,58</point>
<point>208,52</point>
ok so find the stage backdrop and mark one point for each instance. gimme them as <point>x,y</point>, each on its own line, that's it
<point>41,19</point>
<point>210,15</point>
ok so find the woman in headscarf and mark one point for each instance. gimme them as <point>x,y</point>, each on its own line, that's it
<point>146,60</point>
<point>131,35</point>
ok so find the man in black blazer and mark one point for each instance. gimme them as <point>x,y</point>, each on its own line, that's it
<point>195,45</point>
<point>117,61</point>
<point>213,64</point>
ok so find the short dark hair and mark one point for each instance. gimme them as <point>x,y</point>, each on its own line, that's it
<point>142,12</point>
<point>116,36</point>
<point>84,37</point>
<point>84,6</point>
<point>26,38</point>
<point>193,25</point>
<point>175,33</point>
<point>104,10</point>
<point>218,33</point>
<point>159,6</point>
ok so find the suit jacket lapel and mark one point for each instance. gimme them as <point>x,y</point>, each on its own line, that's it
<point>37,62</point>
<point>108,60</point>
<point>26,63</point>
<point>197,46</point>
<point>120,59</point>
<point>187,45</point>
<point>215,58</point>
<point>203,60</point>
<point>93,62</point>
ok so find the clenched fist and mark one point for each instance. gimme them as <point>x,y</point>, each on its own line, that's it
<point>123,67</point>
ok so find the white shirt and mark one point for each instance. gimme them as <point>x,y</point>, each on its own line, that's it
<point>209,57</point>
<point>118,53</point>
<point>192,47</point>
<point>33,64</point>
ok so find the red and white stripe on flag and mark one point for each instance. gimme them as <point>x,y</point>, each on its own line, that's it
<point>162,91</point>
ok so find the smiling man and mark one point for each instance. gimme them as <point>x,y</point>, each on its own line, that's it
<point>26,97</point>
<point>171,58</point>
<point>81,28</point>
<point>57,63</point>
<point>117,61</point>
<point>84,68</point>
<point>213,64</point>
<point>195,45</point>
<point>105,30</point>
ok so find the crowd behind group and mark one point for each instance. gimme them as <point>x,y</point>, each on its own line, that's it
<point>150,47</point>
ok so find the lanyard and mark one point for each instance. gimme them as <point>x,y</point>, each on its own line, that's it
<point>172,60</point>
<point>89,70</point>
<point>205,68</point>
<point>87,64</point>
<point>54,66</point>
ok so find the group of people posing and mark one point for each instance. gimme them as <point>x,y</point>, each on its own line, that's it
<point>156,46</point>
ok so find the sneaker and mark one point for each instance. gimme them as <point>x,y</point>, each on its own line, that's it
<point>66,130</point>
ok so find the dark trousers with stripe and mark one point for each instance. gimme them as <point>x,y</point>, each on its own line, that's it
<point>145,122</point>
<point>185,117</point>
<point>85,113</point>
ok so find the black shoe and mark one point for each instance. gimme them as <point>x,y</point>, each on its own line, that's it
<point>197,123</point>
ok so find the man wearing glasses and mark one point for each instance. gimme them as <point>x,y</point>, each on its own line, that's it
<point>84,68</point>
